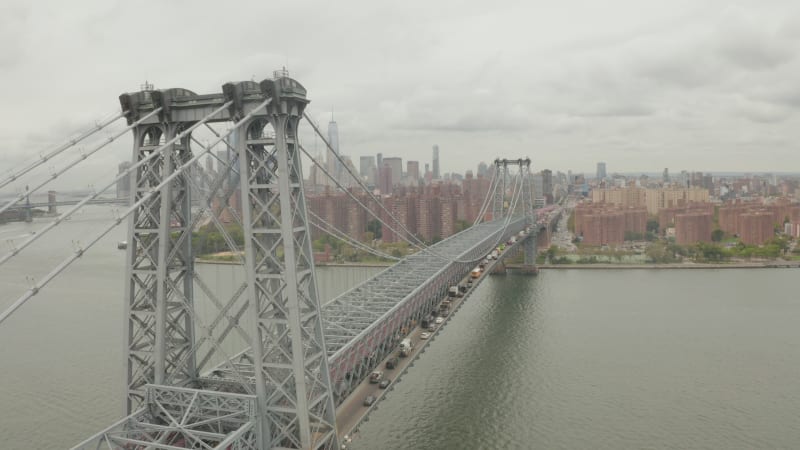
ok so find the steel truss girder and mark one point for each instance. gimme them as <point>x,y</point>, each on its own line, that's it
<point>177,418</point>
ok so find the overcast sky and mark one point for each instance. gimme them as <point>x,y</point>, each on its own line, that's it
<point>641,85</point>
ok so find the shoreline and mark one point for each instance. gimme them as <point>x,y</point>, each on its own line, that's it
<point>748,265</point>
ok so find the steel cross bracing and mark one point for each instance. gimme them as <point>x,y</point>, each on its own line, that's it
<point>287,348</point>
<point>289,386</point>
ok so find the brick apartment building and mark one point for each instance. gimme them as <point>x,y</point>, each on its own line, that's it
<point>666,216</point>
<point>754,221</point>
<point>693,226</point>
<point>601,224</point>
<point>653,199</point>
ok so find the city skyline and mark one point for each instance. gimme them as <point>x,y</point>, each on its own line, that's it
<point>707,87</point>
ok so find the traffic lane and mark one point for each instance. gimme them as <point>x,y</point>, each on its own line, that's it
<point>350,413</point>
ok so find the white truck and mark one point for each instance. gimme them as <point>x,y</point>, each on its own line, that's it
<point>405,347</point>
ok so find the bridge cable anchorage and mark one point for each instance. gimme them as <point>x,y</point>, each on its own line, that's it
<point>75,162</point>
<point>339,234</point>
<point>55,152</point>
<point>179,171</point>
<point>157,152</point>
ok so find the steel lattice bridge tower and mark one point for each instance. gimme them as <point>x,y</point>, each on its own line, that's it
<point>297,360</point>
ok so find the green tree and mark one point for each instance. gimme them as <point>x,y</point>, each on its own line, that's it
<point>374,227</point>
<point>717,235</point>
<point>633,236</point>
<point>652,226</point>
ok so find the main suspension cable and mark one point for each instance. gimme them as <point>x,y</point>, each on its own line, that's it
<point>153,191</point>
<point>119,177</point>
<point>420,243</point>
<point>339,234</point>
<point>44,158</point>
<point>77,161</point>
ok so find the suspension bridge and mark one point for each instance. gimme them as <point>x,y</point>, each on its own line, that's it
<point>299,365</point>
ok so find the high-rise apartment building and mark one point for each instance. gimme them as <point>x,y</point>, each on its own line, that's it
<point>547,185</point>
<point>385,181</point>
<point>395,164</point>
<point>367,169</point>
<point>436,174</point>
<point>693,227</point>
<point>601,171</point>
<point>334,166</point>
<point>412,171</point>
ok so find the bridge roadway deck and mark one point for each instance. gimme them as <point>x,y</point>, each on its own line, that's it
<point>365,323</point>
<point>352,411</point>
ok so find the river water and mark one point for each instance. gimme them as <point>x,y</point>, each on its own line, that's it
<point>569,359</point>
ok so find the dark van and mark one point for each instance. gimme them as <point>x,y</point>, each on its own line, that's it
<point>391,363</point>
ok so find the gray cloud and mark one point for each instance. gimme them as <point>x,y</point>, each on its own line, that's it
<point>639,85</point>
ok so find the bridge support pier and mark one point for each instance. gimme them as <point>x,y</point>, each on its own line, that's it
<point>499,268</point>
<point>52,209</point>
<point>529,267</point>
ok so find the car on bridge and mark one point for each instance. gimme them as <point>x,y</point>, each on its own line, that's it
<point>391,363</point>
<point>369,400</point>
<point>384,383</point>
<point>375,376</point>
<point>439,320</point>
<point>424,335</point>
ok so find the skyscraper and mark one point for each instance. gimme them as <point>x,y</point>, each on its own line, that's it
<point>378,167</point>
<point>601,170</point>
<point>436,162</point>
<point>367,169</point>
<point>396,166</point>
<point>483,169</point>
<point>334,166</point>
<point>412,171</point>
<point>547,185</point>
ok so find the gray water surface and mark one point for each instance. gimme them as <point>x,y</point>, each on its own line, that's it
<point>569,359</point>
<point>607,360</point>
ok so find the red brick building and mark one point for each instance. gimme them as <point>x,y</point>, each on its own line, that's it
<point>693,227</point>
<point>601,224</point>
<point>756,227</point>
<point>755,221</point>
<point>666,216</point>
